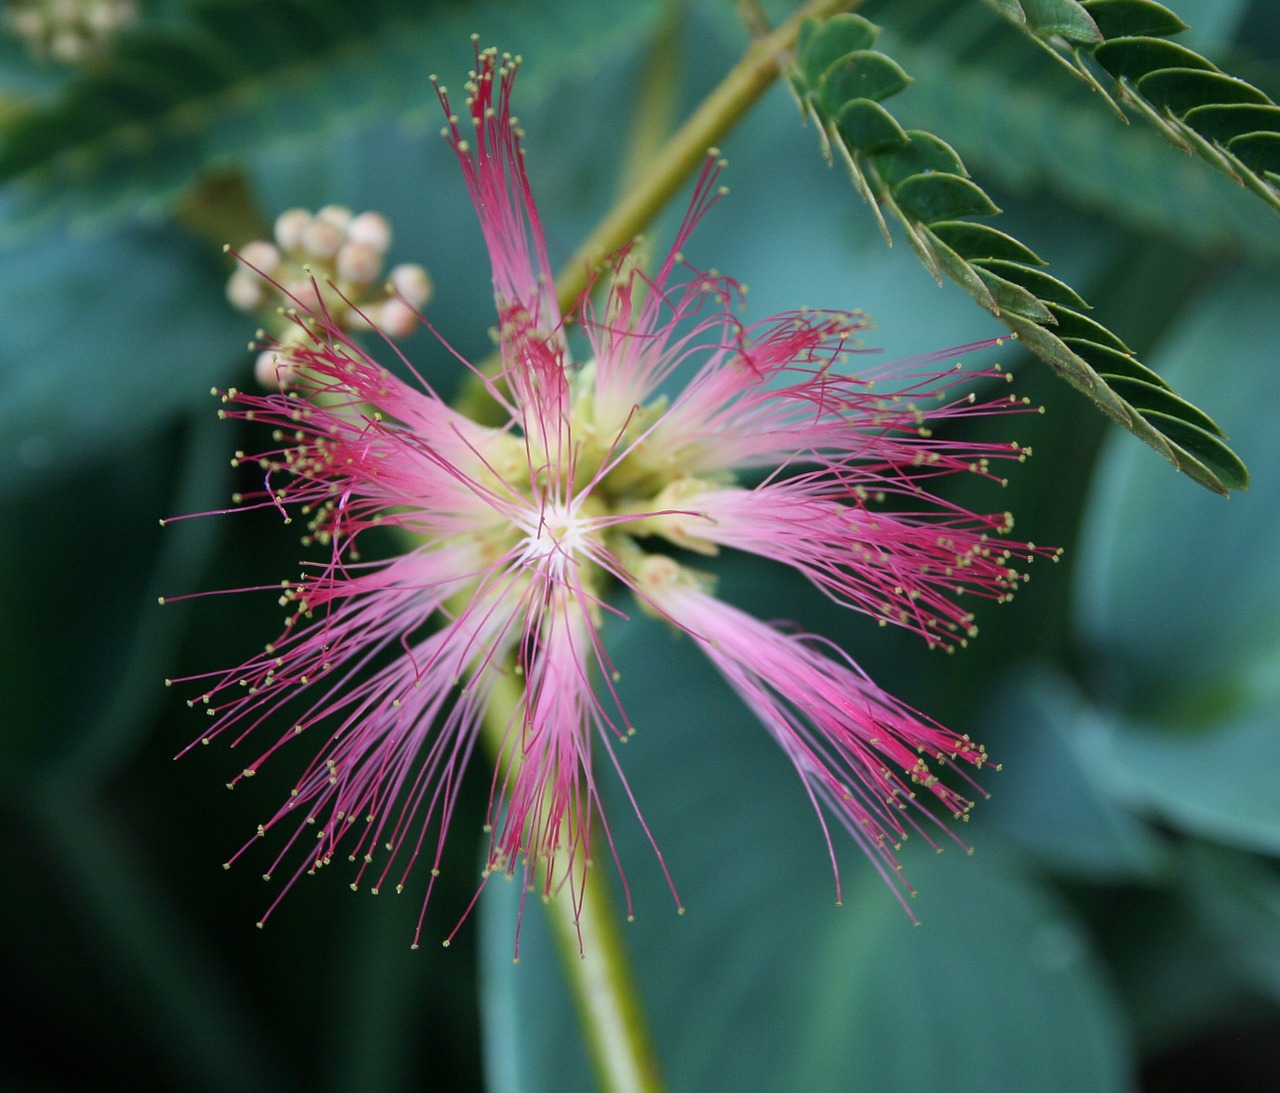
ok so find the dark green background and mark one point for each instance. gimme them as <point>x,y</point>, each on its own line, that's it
<point>1119,923</point>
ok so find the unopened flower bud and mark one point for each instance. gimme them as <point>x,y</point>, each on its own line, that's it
<point>322,238</point>
<point>274,369</point>
<point>261,256</point>
<point>68,48</point>
<point>303,294</point>
<point>105,16</point>
<point>413,283</point>
<point>359,263</point>
<point>339,216</point>
<point>246,290</point>
<point>290,225</point>
<point>370,228</point>
<point>68,31</point>
<point>395,318</point>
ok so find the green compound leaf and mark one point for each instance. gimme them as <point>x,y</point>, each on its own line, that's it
<point>236,76</point>
<point>1013,299</point>
<point>1186,98</point>
<point>1133,58</point>
<point>1071,325</point>
<point>1132,18</point>
<point>924,154</point>
<point>1178,90</point>
<point>1065,19</point>
<point>1207,448</point>
<point>1048,289</point>
<point>863,74</point>
<point>940,196</point>
<point>820,45</point>
<point>1225,123</point>
<point>868,127</point>
<point>1153,398</point>
<point>978,241</point>
<point>1259,151</point>
<point>1108,361</point>
<point>920,181</point>
<point>1010,9</point>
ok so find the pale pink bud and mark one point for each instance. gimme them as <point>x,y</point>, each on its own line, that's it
<point>359,263</point>
<point>261,256</point>
<point>303,294</point>
<point>337,215</point>
<point>395,318</point>
<point>322,238</point>
<point>413,283</point>
<point>290,225</point>
<point>246,290</point>
<point>274,369</point>
<point>370,228</point>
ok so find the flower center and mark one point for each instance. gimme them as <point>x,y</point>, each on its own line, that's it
<point>557,529</point>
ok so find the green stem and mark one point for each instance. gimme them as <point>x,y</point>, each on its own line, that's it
<point>591,948</point>
<point>586,930</point>
<point>688,147</point>
<point>595,962</point>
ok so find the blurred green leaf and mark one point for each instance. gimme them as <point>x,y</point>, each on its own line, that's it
<point>1048,798</point>
<point>235,76</point>
<point>162,975</point>
<point>792,993</point>
<point>1238,898</point>
<point>102,623</point>
<point>1158,566</point>
<point>1218,782</point>
<point>1178,606</point>
<point>1021,127</point>
<point>1178,983</point>
<point>98,345</point>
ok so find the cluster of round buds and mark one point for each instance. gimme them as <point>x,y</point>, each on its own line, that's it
<point>68,31</point>
<point>326,263</point>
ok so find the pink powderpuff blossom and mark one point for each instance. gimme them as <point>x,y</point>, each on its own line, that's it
<point>602,474</point>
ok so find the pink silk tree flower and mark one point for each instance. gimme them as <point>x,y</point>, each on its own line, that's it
<point>628,470</point>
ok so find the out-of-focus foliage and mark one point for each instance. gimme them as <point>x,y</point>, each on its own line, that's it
<point>1118,925</point>
<point>1228,122</point>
